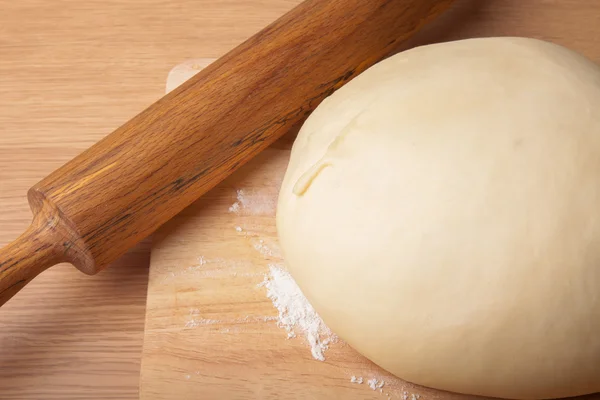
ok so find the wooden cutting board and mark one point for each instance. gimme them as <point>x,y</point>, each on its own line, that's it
<point>212,332</point>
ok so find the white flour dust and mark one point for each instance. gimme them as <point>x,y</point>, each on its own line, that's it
<point>296,315</point>
<point>210,268</point>
<point>254,203</point>
<point>411,396</point>
<point>375,383</point>
<point>267,249</point>
<point>195,320</point>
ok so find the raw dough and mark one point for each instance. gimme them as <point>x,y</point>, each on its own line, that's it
<point>442,214</point>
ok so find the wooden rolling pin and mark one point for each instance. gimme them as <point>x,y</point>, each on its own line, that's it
<point>103,202</point>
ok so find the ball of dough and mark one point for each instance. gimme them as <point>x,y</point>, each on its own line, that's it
<point>442,214</point>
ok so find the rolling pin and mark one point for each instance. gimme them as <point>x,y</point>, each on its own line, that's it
<point>97,206</point>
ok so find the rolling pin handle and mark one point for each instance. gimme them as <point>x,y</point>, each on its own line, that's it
<point>22,260</point>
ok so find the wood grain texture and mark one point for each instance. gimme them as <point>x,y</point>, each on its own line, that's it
<point>206,335</point>
<point>70,72</point>
<point>27,257</point>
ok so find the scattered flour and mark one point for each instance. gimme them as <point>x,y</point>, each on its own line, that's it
<point>295,312</point>
<point>375,384</point>
<point>211,268</point>
<point>262,249</point>
<point>268,250</point>
<point>358,380</point>
<point>235,208</point>
<point>411,396</point>
<point>296,315</point>
<point>196,322</point>
<point>254,203</point>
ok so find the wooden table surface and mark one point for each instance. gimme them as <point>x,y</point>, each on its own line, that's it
<point>71,72</point>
